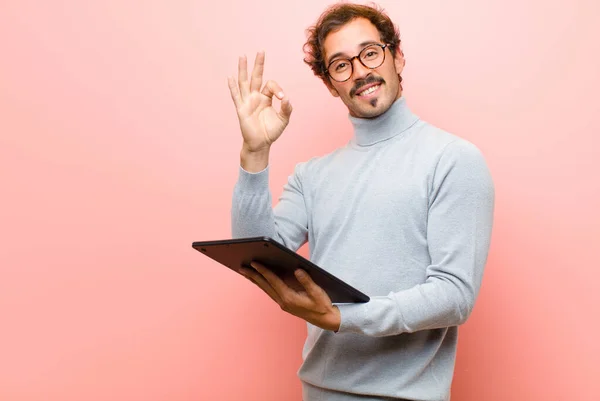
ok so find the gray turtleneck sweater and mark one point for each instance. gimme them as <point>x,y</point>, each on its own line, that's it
<point>403,212</point>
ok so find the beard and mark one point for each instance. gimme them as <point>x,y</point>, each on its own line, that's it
<point>389,91</point>
<point>370,79</point>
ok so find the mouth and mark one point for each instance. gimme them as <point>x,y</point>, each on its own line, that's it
<point>368,91</point>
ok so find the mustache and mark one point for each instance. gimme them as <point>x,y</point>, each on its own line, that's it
<point>368,80</point>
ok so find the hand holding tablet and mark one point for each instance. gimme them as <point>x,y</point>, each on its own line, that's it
<point>240,253</point>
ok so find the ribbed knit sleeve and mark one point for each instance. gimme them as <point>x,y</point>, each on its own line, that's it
<point>461,205</point>
<point>252,213</point>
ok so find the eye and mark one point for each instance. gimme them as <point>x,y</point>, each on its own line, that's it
<point>371,54</point>
<point>342,65</point>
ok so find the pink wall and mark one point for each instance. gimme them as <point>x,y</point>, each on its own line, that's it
<point>119,147</point>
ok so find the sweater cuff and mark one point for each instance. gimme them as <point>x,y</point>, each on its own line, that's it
<point>253,182</point>
<point>377,318</point>
<point>352,317</point>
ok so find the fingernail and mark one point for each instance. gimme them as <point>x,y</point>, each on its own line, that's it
<point>280,95</point>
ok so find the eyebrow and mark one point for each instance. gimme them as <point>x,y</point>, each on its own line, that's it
<point>362,45</point>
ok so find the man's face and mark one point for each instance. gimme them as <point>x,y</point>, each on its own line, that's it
<point>348,42</point>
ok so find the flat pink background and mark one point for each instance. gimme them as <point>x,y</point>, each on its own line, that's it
<point>119,147</point>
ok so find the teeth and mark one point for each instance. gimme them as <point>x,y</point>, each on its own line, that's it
<point>370,90</point>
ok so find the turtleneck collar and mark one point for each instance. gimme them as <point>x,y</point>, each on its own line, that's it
<point>397,119</point>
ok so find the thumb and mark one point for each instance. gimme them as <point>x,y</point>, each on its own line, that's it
<point>286,109</point>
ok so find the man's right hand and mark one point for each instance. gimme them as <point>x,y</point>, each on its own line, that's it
<point>260,123</point>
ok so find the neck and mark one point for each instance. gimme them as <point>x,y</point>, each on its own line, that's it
<point>394,121</point>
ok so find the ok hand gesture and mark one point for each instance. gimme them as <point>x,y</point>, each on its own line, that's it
<point>260,123</point>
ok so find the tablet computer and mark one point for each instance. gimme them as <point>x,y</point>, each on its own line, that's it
<point>240,252</point>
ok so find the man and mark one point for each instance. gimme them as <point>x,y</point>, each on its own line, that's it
<point>403,212</point>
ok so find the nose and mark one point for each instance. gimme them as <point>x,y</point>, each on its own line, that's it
<point>359,71</point>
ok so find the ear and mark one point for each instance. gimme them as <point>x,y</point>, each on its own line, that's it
<point>399,60</point>
<point>332,90</point>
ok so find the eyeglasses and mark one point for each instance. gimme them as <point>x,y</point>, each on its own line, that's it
<point>372,56</point>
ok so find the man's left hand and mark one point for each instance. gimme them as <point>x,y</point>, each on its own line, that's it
<point>311,304</point>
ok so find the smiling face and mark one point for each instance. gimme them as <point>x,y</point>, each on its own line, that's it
<point>369,92</point>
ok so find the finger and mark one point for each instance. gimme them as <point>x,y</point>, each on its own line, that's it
<point>243,77</point>
<point>263,284</point>
<point>286,110</point>
<point>235,92</point>
<point>257,72</point>
<point>266,287</point>
<point>312,289</point>
<point>278,284</point>
<point>272,89</point>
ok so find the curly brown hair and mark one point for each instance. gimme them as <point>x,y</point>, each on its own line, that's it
<point>336,16</point>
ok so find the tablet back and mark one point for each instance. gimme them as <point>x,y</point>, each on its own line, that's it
<point>235,253</point>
